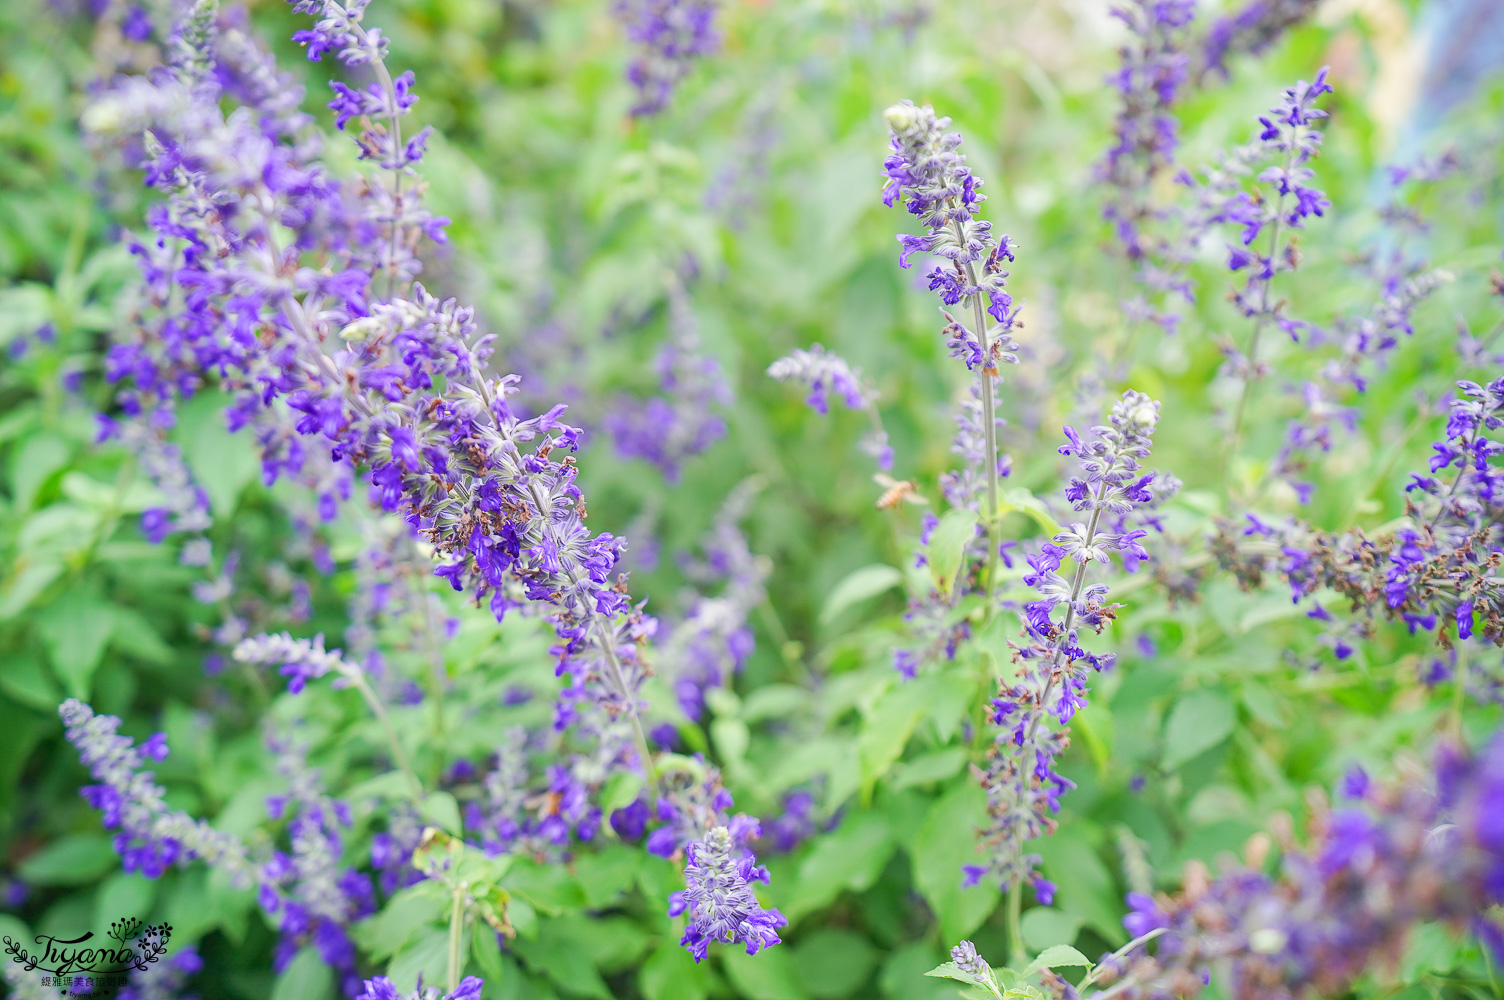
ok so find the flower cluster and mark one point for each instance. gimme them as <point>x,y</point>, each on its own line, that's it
<point>713,641</point>
<point>382,988</point>
<point>669,35</point>
<point>313,899</point>
<point>720,901</point>
<point>1252,29</point>
<point>1376,870</point>
<point>823,372</point>
<point>682,422</point>
<point>1153,68</point>
<point>294,293</point>
<point>164,980</point>
<point>926,173</point>
<point>1023,788</point>
<point>1288,140</point>
<point>151,837</point>
<point>1440,569</point>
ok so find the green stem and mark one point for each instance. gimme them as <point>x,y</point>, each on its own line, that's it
<point>989,418</point>
<point>358,680</point>
<point>456,935</point>
<point>1260,323</point>
<point>1017,957</point>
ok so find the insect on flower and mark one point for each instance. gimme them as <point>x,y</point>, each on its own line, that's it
<point>897,491</point>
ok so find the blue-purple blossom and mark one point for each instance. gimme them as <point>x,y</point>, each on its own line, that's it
<point>382,988</point>
<point>1400,857</point>
<point>1023,787</point>
<point>150,837</point>
<point>1251,29</point>
<point>682,422</point>
<point>719,898</point>
<point>668,37</point>
<point>926,173</point>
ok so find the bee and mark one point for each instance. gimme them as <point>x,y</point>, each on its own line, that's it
<point>896,492</point>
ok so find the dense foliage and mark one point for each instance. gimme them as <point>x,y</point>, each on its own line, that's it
<point>491,510</point>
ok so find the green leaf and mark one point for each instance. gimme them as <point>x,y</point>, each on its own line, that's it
<point>1083,885</point>
<point>1057,955</point>
<point>441,809</point>
<point>949,540</point>
<point>621,790</point>
<point>950,970</point>
<point>26,680</point>
<point>858,586</point>
<point>833,961</point>
<point>731,738</point>
<point>768,975</point>
<point>671,973</point>
<point>307,977</point>
<point>75,629</point>
<point>1199,721</point>
<point>606,875</point>
<point>948,838</point>
<point>74,859</point>
<point>408,911</point>
<point>124,895</point>
<point>929,768</point>
<point>223,464</point>
<point>33,463</point>
<point>29,580</point>
<point>886,731</point>
<point>775,701</point>
<point>487,954</point>
<point>1044,925</point>
<point>133,635</point>
<point>850,857</point>
<point>427,953</point>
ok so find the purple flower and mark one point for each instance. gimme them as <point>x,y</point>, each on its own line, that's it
<point>719,898</point>
<point>668,36</point>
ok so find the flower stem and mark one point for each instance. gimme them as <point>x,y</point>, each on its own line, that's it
<point>1016,954</point>
<point>456,935</point>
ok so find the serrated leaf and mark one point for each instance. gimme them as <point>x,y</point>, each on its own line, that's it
<point>1057,955</point>
<point>857,586</point>
<point>1199,721</point>
<point>947,544</point>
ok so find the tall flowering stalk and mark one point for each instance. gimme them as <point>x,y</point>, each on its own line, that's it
<point>1023,787</point>
<point>295,294</point>
<point>150,837</point>
<point>926,173</point>
<point>1289,140</point>
<point>1438,569</point>
<point>1253,28</point>
<point>1152,70</point>
<point>1424,852</point>
<point>669,35</point>
<point>824,372</point>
